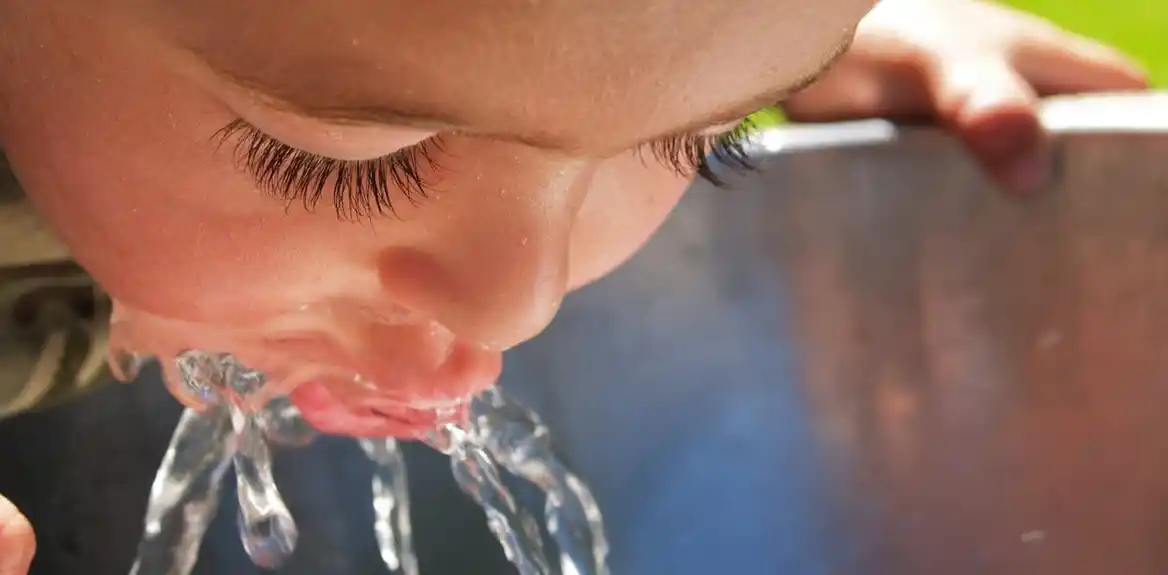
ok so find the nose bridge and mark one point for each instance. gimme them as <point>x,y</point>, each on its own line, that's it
<point>490,261</point>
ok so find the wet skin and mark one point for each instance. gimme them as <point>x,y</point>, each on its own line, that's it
<point>112,113</point>
<point>537,189</point>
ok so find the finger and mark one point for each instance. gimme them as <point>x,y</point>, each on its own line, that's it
<point>994,112</point>
<point>1062,63</point>
<point>864,86</point>
<point>17,544</point>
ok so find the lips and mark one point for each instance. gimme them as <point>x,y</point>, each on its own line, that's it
<point>370,418</point>
<point>403,392</point>
<point>404,406</point>
<point>354,378</point>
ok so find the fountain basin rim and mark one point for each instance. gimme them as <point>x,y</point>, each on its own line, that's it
<point>1137,113</point>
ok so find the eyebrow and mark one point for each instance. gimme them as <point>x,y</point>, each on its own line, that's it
<point>387,115</point>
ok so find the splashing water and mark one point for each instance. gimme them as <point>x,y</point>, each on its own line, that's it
<point>501,435</point>
<point>266,526</point>
<point>283,425</point>
<point>476,474</point>
<point>391,505</point>
<point>521,442</point>
<point>185,495</point>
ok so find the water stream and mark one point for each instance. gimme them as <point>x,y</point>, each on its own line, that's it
<point>391,505</point>
<point>500,437</point>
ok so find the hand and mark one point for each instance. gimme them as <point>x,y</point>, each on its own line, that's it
<point>16,540</point>
<point>974,66</point>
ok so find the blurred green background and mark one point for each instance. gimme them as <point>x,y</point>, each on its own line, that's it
<point>1138,27</point>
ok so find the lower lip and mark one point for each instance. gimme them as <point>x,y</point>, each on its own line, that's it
<point>324,411</point>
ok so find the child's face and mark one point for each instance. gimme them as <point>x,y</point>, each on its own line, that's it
<point>114,112</point>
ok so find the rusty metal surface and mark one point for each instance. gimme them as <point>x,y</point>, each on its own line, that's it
<point>861,361</point>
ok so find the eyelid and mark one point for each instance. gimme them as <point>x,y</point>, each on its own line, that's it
<point>688,154</point>
<point>723,128</point>
<point>335,141</point>
<point>359,188</point>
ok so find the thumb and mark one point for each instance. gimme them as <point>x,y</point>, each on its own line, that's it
<point>994,112</point>
<point>17,544</point>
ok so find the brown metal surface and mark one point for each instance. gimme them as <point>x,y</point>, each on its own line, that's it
<point>870,362</point>
<point>990,376</point>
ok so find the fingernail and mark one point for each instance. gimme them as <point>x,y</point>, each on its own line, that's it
<point>1028,175</point>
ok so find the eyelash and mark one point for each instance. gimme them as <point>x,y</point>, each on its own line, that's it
<point>362,188</point>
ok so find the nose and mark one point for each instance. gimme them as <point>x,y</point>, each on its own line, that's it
<point>488,252</point>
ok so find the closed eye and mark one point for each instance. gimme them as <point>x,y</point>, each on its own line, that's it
<point>360,189</point>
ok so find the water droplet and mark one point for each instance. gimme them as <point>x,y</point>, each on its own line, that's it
<point>391,505</point>
<point>1035,536</point>
<point>266,526</point>
<point>268,539</point>
<point>185,495</point>
<point>521,443</point>
<point>200,375</point>
<point>282,424</point>
<point>239,379</point>
<point>477,475</point>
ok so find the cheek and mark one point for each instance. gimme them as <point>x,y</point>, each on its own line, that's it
<point>119,156</point>
<point>629,200</point>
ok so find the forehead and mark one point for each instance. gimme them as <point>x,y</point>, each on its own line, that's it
<point>562,69</point>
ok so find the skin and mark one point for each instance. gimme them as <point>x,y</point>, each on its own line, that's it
<point>528,201</point>
<point>111,126</point>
